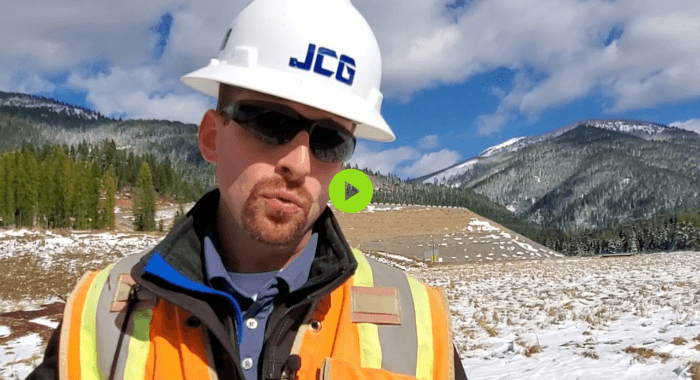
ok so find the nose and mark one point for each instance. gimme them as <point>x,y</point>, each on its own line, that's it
<point>295,163</point>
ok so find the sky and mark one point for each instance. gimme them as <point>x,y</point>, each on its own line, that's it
<point>457,78</point>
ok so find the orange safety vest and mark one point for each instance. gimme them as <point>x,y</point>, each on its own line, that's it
<point>379,324</point>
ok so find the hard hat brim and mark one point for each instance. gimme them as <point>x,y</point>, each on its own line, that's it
<point>308,91</point>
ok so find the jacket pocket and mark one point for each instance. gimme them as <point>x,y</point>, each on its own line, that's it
<point>337,369</point>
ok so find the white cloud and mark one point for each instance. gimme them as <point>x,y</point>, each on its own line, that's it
<point>384,161</point>
<point>423,44</point>
<point>429,142</point>
<point>691,125</point>
<point>654,62</point>
<point>29,83</point>
<point>405,161</point>
<point>431,162</point>
<point>143,92</point>
<point>63,35</point>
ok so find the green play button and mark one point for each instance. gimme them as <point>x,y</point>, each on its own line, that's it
<point>359,181</point>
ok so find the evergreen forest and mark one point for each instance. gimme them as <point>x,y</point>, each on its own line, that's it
<point>57,186</point>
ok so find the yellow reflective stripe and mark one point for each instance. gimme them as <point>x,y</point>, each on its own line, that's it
<point>139,344</point>
<point>363,274</point>
<point>370,348</point>
<point>88,337</point>
<point>424,329</point>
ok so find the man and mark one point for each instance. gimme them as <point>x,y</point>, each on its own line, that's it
<point>257,281</point>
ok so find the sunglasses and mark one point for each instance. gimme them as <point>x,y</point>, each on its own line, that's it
<point>276,124</point>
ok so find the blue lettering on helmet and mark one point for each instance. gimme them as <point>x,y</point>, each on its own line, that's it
<point>345,62</point>
<point>223,44</point>
<point>318,67</point>
<point>306,65</point>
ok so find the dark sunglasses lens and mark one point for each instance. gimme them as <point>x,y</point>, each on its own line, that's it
<point>269,126</point>
<point>332,145</point>
<point>329,143</point>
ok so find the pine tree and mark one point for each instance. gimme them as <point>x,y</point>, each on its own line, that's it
<point>30,200</point>
<point>59,160</point>
<point>94,192</point>
<point>79,196</point>
<point>22,190</point>
<point>47,193</point>
<point>110,184</point>
<point>145,201</point>
<point>3,171</point>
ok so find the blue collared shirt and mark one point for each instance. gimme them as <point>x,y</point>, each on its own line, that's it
<point>255,293</point>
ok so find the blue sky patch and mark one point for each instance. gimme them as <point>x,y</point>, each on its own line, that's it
<point>614,35</point>
<point>95,67</point>
<point>162,30</point>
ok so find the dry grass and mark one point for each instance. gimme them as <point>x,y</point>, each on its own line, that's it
<point>694,371</point>
<point>481,321</point>
<point>25,277</point>
<point>531,296</point>
<point>643,354</point>
<point>679,341</point>
<point>536,349</point>
<point>590,354</point>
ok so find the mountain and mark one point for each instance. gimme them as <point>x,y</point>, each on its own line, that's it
<point>46,109</point>
<point>37,121</point>
<point>586,175</point>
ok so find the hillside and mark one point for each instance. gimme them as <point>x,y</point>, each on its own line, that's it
<point>31,120</point>
<point>456,235</point>
<point>37,121</point>
<point>586,175</point>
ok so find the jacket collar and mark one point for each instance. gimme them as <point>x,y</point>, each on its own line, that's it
<point>182,248</point>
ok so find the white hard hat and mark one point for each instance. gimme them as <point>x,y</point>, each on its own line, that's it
<point>321,53</point>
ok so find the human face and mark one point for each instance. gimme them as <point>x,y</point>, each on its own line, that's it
<point>275,193</point>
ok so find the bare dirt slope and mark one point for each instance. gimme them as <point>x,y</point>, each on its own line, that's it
<point>459,235</point>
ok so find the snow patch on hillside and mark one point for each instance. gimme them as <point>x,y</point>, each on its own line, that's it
<point>627,126</point>
<point>50,245</point>
<point>31,102</point>
<point>501,147</point>
<point>452,172</point>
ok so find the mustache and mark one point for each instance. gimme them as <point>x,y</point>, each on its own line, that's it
<point>269,185</point>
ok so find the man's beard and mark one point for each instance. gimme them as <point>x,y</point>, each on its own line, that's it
<point>270,225</point>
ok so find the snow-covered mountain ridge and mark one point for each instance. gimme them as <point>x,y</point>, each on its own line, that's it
<point>586,174</point>
<point>628,126</point>
<point>31,101</point>
<point>638,128</point>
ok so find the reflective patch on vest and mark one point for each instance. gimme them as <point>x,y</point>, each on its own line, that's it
<point>121,295</point>
<point>375,305</point>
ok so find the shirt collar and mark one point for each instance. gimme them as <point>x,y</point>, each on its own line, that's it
<point>295,274</point>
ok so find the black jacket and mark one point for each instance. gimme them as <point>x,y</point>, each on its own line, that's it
<point>182,249</point>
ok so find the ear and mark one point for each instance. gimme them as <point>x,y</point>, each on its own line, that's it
<point>206,135</point>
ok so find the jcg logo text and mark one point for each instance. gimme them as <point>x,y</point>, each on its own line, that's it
<point>344,62</point>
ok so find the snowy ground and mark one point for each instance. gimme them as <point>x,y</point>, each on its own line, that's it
<point>605,318</point>
<point>616,318</point>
